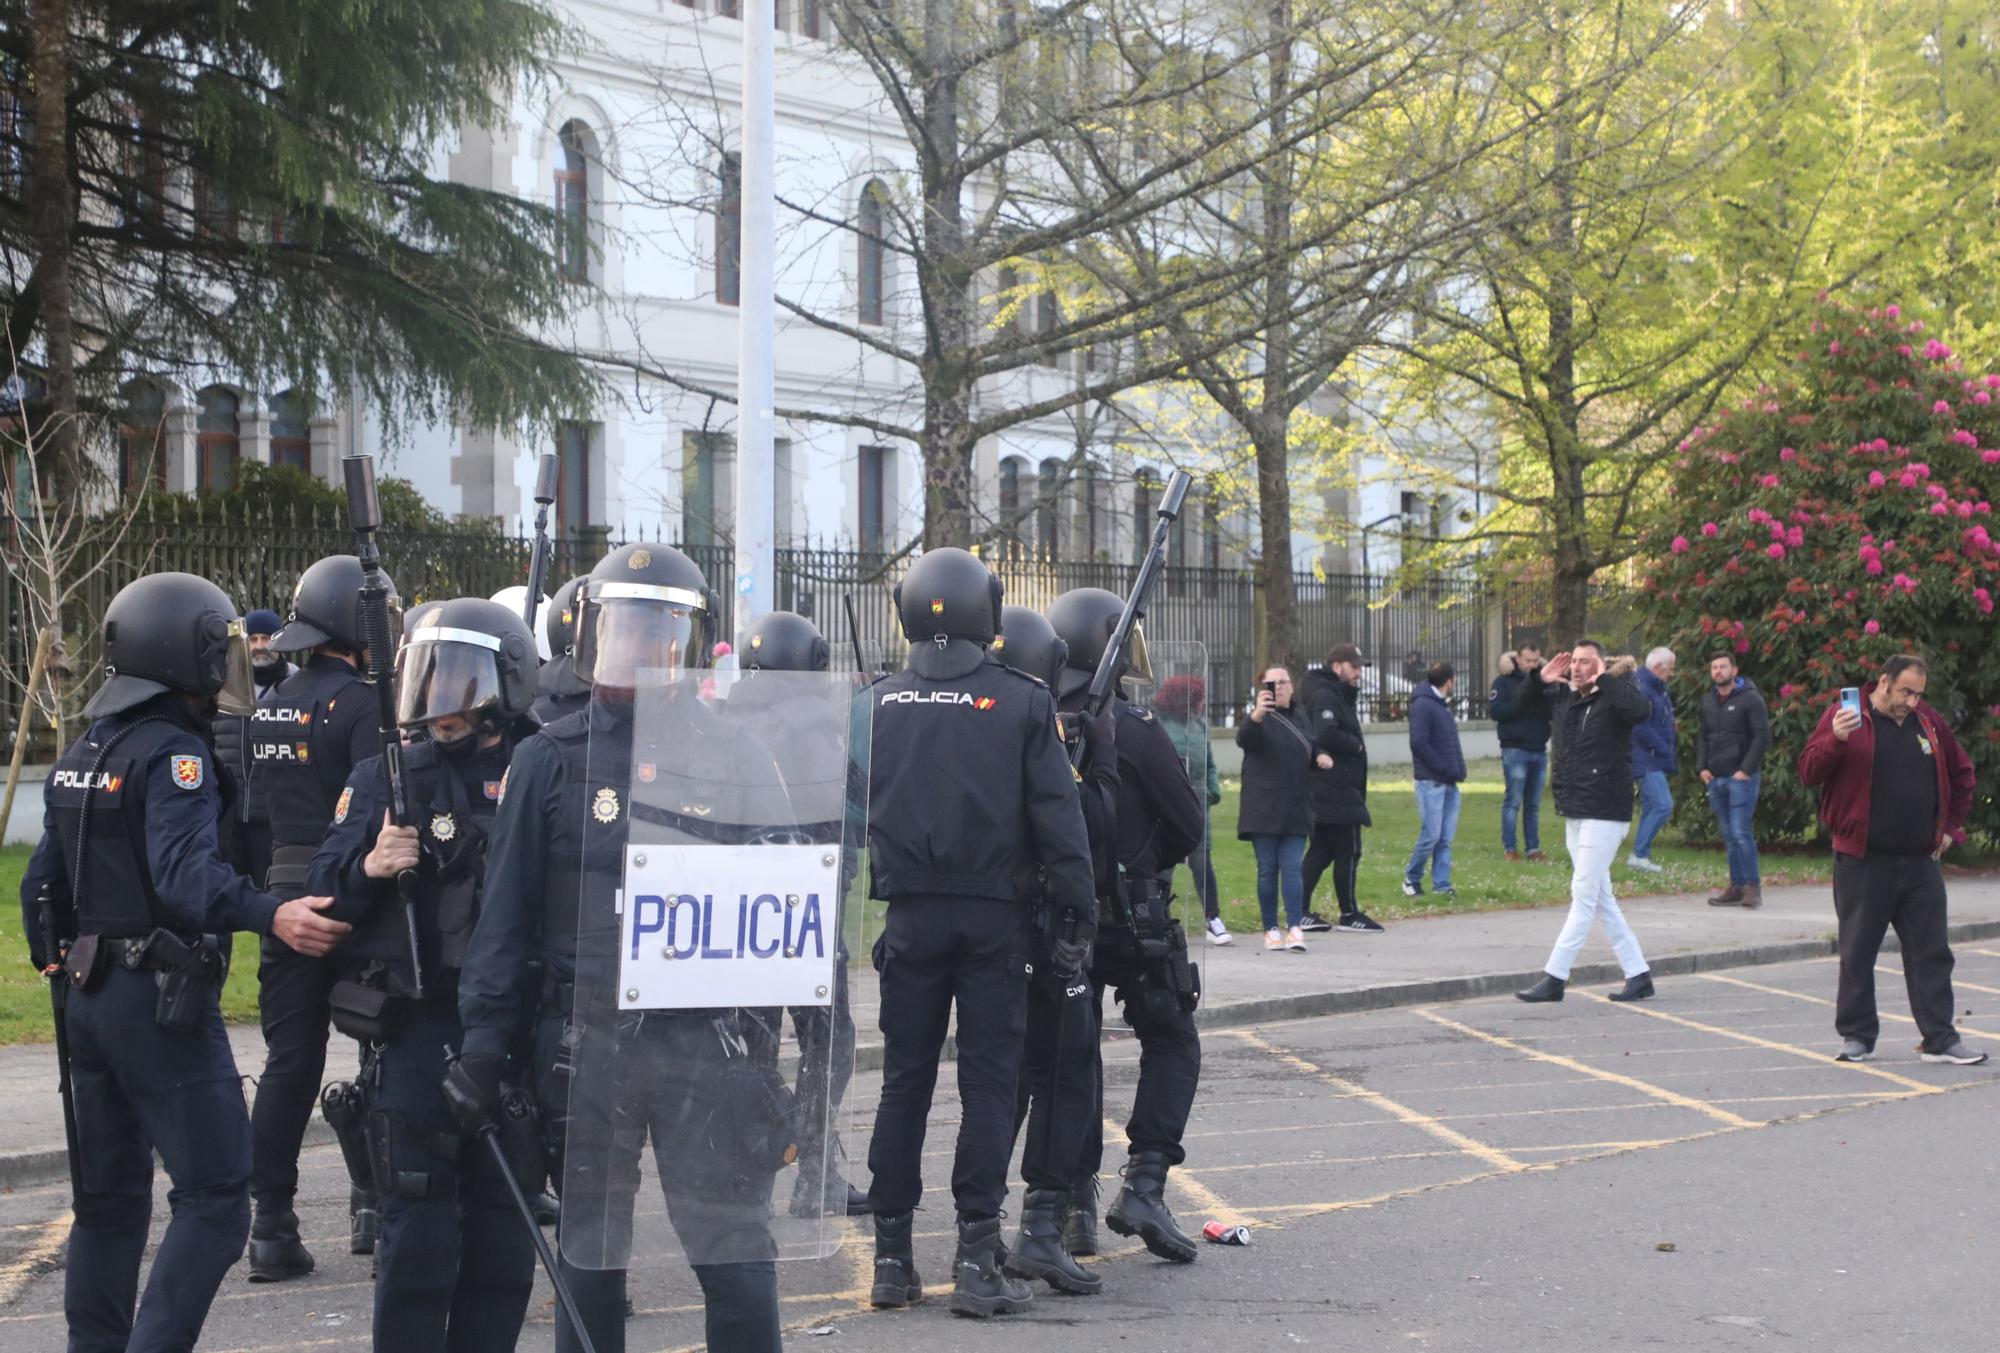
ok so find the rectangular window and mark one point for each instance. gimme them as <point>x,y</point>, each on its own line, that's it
<point>573,484</point>
<point>704,498</point>
<point>728,9</point>
<point>573,243</point>
<point>782,527</point>
<point>809,20</point>
<point>729,232</point>
<point>871,522</point>
<point>1144,492</point>
<point>1047,316</point>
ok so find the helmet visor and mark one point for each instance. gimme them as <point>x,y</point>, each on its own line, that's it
<point>443,671</point>
<point>635,634</point>
<point>238,696</point>
<point>1138,667</point>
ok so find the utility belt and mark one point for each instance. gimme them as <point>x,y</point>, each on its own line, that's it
<point>185,971</point>
<point>387,1156</point>
<point>1168,982</point>
<point>369,1008</point>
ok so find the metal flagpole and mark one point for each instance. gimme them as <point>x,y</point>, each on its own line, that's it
<point>756,315</point>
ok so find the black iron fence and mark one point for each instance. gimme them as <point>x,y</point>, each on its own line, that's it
<point>1400,628</point>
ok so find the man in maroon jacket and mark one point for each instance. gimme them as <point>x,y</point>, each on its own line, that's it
<point>1894,790</point>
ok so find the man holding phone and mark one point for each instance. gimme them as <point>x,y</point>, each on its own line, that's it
<point>1895,787</point>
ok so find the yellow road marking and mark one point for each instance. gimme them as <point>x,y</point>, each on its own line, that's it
<point>1634,1007</point>
<point>1818,1000</point>
<point>1476,1149</point>
<point>42,1251</point>
<point>1957,983</point>
<point>1658,1092</point>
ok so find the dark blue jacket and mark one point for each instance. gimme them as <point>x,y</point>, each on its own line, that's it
<point>1653,741</point>
<point>1434,748</point>
<point>1519,709</point>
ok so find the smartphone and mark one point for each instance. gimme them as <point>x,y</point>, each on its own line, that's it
<point>1271,686</point>
<point>1850,698</point>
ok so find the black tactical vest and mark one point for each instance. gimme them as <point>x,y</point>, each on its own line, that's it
<point>298,753</point>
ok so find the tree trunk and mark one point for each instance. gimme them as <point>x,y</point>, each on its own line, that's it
<point>1274,520</point>
<point>1271,436</point>
<point>53,211</point>
<point>1574,559</point>
<point>947,283</point>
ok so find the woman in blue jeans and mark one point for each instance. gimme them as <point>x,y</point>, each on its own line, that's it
<point>1275,812</point>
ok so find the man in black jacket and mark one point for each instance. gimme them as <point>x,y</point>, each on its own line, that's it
<point>1521,718</point>
<point>1595,708</point>
<point>1338,784</point>
<point>1729,752</point>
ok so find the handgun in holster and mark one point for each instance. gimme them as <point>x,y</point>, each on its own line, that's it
<point>344,1104</point>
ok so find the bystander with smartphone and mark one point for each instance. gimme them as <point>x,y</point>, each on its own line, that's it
<point>1275,812</point>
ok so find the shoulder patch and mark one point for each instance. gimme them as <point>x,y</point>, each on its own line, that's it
<point>345,802</point>
<point>188,772</point>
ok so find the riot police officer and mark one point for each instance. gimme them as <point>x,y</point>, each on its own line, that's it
<point>306,737</point>
<point>1058,1094</point>
<point>1141,951</point>
<point>561,692</point>
<point>953,839</point>
<point>454,1266</point>
<point>133,872</point>
<point>785,641</point>
<point>555,862</point>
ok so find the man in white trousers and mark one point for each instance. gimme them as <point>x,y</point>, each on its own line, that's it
<point>1594,709</point>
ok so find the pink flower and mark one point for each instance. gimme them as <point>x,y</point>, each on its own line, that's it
<point>1942,407</point>
<point>1892,311</point>
<point>1907,480</point>
<point>1873,568</point>
<point>1919,469</point>
<point>1939,510</point>
<point>1903,350</point>
<point>1787,691</point>
<point>1833,349</point>
<point>1935,351</point>
<point>1979,538</point>
<point>1992,380</point>
<point>1916,326</point>
<point>1981,397</point>
<point>1982,507</point>
<point>1991,457</point>
<point>1680,545</point>
<point>1965,437</point>
<point>1906,582</point>
<point>1770,481</point>
<point>1964,509</point>
<point>1872,627</point>
<point>1776,551</point>
<point>1879,444</point>
<point>1758,516</point>
<point>1742,645</point>
<point>1985,600</point>
<point>1875,479</point>
<point>1786,453</point>
<point>1936,490</point>
<point>1777,530</point>
<point>1709,528</point>
<point>1795,538</point>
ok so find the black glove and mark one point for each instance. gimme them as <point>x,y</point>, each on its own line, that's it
<point>1069,958</point>
<point>1100,735</point>
<point>472,1089</point>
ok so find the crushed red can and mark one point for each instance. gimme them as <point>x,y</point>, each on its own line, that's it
<point>1219,1234</point>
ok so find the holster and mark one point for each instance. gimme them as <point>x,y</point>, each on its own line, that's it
<point>86,961</point>
<point>1146,905</point>
<point>185,973</point>
<point>405,1161</point>
<point>366,1013</point>
<point>520,1124</point>
<point>344,1105</point>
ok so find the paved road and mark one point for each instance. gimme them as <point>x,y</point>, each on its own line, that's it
<point>1693,1173</point>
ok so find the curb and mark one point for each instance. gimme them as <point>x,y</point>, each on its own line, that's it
<point>25,1169</point>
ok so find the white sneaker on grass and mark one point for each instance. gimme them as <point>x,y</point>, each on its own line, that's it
<point>1218,933</point>
<point>1644,864</point>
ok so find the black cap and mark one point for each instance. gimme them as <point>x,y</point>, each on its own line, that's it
<point>1346,653</point>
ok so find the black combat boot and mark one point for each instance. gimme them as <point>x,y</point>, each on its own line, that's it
<point>1079,1219</point>
<point>363,1221</point>
<point>547,1209</point>
<point>1548,989</point>
<point>896,1281</point>
<point>1141,1209</point>
<point>276,1252</point>
<point>983,1287</point>
<point>822,1191</point>
<point>1038,1250</point>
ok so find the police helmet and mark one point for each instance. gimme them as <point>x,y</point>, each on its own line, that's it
<point>559,621</point>
<point>467,657</point>
<point>1029,643</point>
<point>514,599</point>
<point>948,594</point>
<point>1085,618</point>
<point>173,632</point>
<point>785,641</point>
<point>326,608</point>
<point>645,608</point>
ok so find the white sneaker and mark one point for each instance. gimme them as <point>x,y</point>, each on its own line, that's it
<point>1295,940</point>
<point>1274,942</point>
<point>1644,865</point>
<point>1218,933</point>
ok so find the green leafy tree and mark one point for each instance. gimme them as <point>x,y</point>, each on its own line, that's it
<point>1833,521</point>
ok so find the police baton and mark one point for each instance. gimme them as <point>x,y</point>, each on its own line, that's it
<point>54,951</point>
<point>364,513</point>
<point>489,1132</point>
<point>538,559</point>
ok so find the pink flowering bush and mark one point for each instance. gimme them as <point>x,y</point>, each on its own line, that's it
<point>1828,524</point>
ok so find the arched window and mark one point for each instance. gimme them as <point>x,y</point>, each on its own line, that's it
<point>729,231</point>
<point>1010,497</point>
<point>1047,501</point>
<point>216,439</point>
<point>573,202</point>
<point>142,450</point>
<point>291,435</point>
<point>874,252</point>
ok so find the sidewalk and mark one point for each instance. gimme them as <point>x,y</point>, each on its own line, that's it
<point>1438,958</point>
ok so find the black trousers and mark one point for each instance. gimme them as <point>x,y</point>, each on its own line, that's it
<point>292,1006</point>
<point>454,1265</point>
<point>1337,844</point>
<point>936,953</point>
<point>825,1035</point>
<point>1059,1096</point>
<point>141,1089</point>
<point>1169,1063</point>
<point>1872,893</point>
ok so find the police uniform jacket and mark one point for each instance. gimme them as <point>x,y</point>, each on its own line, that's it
<point>1160,816</point>
<point>155,845</point>
<point>452,804</point>
<point>556,853</point>
<point>305,739</point>
<point>970,790</point>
